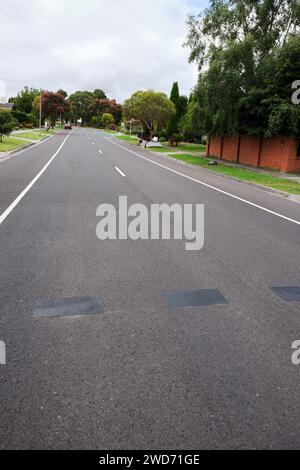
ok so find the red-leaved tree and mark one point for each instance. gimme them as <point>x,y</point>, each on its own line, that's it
<point>54,105</point>
<point>100,107</point>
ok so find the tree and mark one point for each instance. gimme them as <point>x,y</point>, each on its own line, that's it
<point>268,23</point>
<point>151,108</point>
<point>240,47</point>
<point>191,122</point>
<point>7,124</point>
<point>183,106</point>
<point>53,106</point>
<point>80,102</point>
<point>24,100</point>
<point>100,107</point>
<point>173,124</point>
<point>99,95</point>
<point>108,120</point>
<point>63,93</point>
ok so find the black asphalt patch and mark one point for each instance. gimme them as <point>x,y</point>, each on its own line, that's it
<point>69,307</point>
<point>195,298</point>
<point>289,294</point>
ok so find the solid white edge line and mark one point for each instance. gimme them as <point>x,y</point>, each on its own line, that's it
<point>207,185</point>
<point>121,172</point>
<point>23,193</point>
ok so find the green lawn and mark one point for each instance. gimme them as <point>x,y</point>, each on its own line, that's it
<point>161,149</point>
<point>128,138</point>
<point>33,135</point>
<point>9,143</point>
<point>185,147</point>
<point>107,131</point>
<point>270,181</point>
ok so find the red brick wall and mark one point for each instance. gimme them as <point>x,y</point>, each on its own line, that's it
<point>278,153</point>
<point>215,147</point>
<point>272,152</point>
<point>291,164</point>
<point>230,148</point>
<point>249,150</point>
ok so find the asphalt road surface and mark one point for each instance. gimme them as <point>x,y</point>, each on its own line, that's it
<point>143,375</point>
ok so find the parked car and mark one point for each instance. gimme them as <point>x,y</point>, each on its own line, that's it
<point>68,127</point>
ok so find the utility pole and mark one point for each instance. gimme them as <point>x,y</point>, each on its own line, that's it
<point>40,112</point>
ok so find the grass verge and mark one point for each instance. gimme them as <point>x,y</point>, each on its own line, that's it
<point>128,138</point>
<point>281,184</point>
<point>160,149</point>
<point>35,135</point>
<point>185,147</point>
<point>9,144</point>
<point>108,131</point>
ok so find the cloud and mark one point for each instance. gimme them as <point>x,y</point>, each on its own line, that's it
<point>119,46</point>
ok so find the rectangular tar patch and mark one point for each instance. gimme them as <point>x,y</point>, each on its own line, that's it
<point>69,307</point>
<point>195,298</point>
<point>289,294</point>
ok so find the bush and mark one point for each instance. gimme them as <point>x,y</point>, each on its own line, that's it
<point>7,124</point>
<point>108,120</point>
<point>177,138</point>
<point>32,119</point>
<point>162,140</point>
<point>162,135</point>
<point>19,116</point>
<point>96,122</point>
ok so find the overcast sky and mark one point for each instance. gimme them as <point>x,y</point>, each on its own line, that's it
<point>119,46</point>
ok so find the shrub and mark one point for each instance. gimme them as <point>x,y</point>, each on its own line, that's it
<point>19,116</point>
<point>7,124</point>
<point>177,138</point>
<point>32,119</point>
<point>96,122</point>
<point>108,120</point>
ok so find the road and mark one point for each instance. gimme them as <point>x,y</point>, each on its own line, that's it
<point>142,375</point>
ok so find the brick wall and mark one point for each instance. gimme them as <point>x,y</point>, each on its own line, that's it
<point>249,150</point>
<point>215,147</point>
<point>230,148</point>
<point>278,152</point>
<point>273,153</point>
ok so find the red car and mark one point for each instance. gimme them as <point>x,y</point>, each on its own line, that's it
<point>68,127</point>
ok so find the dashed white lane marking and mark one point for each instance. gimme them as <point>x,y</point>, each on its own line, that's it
<point>100,151</point>
<point>233,196</point>
<point>23,193</point>
<point>121,172</point>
